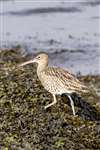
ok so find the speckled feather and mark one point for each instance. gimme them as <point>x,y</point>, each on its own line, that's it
<point>57,80</point>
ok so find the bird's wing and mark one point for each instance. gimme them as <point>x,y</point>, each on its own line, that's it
<point>66,78</point>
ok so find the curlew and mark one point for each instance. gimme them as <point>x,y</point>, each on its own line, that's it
<point>56,80</point>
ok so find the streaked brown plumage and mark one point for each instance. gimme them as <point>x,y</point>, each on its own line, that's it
<point>64,79</point>
<point>56,80</point>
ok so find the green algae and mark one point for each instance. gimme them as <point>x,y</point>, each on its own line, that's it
<point>25,125</point>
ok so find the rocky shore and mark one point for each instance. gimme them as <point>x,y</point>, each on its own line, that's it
<point>25,125</point>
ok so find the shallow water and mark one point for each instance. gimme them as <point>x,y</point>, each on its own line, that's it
<point>69,31</point>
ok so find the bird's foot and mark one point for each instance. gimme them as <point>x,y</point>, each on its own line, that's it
<point>45,107</point>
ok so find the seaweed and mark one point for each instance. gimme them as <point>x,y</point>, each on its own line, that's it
<point>25,124</point>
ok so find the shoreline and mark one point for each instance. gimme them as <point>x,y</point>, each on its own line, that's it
<point>78,61</point>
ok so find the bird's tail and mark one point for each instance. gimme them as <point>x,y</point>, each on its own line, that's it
<point>85,89</point>
<point>82,89</point>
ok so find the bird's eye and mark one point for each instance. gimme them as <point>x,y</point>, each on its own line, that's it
<point>38,57</point>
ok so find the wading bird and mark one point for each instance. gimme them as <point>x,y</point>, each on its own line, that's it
<point>56,80</point>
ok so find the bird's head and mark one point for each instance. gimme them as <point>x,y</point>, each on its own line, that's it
<point>41,59</point>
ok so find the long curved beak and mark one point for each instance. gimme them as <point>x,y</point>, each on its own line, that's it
<point>26,63</point>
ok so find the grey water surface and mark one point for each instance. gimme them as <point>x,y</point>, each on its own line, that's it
<point>68,30</point>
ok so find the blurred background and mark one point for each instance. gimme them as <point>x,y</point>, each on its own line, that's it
<point>68,30</point>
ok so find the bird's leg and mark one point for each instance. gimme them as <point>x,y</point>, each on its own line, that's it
<point>72,104</point>
<point>54,102</point>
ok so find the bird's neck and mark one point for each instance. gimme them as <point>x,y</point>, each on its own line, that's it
<point>41,67</point>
